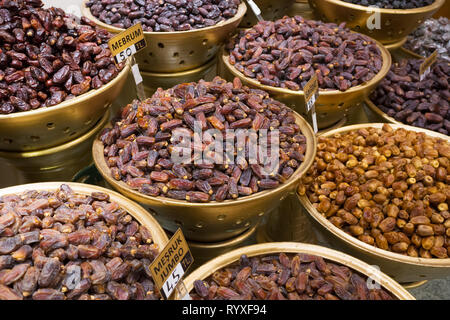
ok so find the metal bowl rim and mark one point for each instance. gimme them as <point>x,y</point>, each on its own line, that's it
<point>332,255</point>
<point>69,103</point>
<point>242,9</point>
<point>353,241</point>
<point>435,5</point>
<point>385,54</point>
<point>100,163</point>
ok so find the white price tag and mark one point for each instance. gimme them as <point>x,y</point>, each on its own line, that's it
<point>425,74</point>
<point>171,282</point>
<point>314,120</point>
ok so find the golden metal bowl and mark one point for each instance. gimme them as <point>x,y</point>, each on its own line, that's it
<point>139,213</point>
<point>213,221</point>
<point>51,126</point>
<point>155,80</point>
<point>400,267</point>
<point>270,10</point>
<point>58,163</point>
<point>396,24</point>
<point>181,50</point>
<point>293,247</point>
<point>331,105</point>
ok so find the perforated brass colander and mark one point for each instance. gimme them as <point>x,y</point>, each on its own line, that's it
<point>181,50</point>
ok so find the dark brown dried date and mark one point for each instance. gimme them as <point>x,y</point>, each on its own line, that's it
<point>285,277</point>
<point>388,188</point>
<point>287,52</point>
<point>395,4</point>
<point>423,104</point>
<point>47,57</point>
<point>138,148</point>
<point>164,15</point>
<point>75,245</point>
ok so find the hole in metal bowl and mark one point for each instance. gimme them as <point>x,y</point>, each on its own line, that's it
<point>205,42</point>
<point>175,54</point>
<point>221,217</point>
<point>261,214</point>
<point>239,221</point>
<point>191,53</point>
<point>358,27</point>
<point>150,54</point>
<point>7,141</point>
<point>161,45</point>
<point>72,133</point>
<point>35,138</point>
<point>388,22</point>
<point>50,126</point>
<point>88,122</point>
<point>401,31</point>
<point>182,62</point>
<point>341,104</point>
<point>66,130</point>
<point>247,224</point>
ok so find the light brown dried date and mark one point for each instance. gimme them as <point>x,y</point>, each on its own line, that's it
<point>383,187</point>
<point>144,159</point>
<point>77,247</point>
<point>285,276</point>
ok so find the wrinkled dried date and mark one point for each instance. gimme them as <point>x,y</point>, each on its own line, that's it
<point>164,15</point>
<point>392,4</point>
<point>423,104</point>
<point>138,148</point>
<point>287,52</point>
<point>388,188</point>
<point>47,57</point>
<point>92,249</point>
<point>286,277</point>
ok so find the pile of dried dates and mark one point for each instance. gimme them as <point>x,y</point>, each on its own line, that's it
<point>287,52</point>
<point>139,147</point>
<point>47,57</point>
<point>286,277</point>
<point>57,245</point>
<point>163,15</point>
<point>423,104</point>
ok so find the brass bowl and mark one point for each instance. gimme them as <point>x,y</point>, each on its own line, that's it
<point>294,247</point>
<point>213,221</point>
<point>400,267</point>
<point>155,80</point>
<point>181,50</point>
<point>396,24</point>
<point>270,10</point>
<point>51,126</point>
<point>58,163</point>
<point>139,213</point>
<point>331,105</point>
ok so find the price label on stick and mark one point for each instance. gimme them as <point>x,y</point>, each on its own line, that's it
<point>311,91</point>
<point>425,67</point>
<point>170,266</point>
